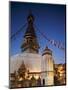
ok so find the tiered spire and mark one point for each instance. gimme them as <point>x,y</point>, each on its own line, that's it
<point>30,43</point>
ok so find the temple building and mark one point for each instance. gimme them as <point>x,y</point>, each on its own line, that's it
<point>47,67</point>
<point>60,74</point>
<point>29,68</point>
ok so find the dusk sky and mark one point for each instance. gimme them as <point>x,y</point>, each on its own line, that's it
<point>49,19</point>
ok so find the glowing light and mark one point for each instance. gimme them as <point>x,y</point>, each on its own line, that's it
<point>20,79</point>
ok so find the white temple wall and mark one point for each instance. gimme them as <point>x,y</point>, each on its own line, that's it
<point>48,68</point>
<point>32,62</point>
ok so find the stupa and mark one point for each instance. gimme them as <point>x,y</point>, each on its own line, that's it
<point>39,66</point>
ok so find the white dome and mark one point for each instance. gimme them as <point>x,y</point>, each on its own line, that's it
<point>31,61</point>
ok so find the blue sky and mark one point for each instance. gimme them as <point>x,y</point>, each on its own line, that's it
<point>49,19</point>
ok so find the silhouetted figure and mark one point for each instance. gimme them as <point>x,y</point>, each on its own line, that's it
<point>39,82</point>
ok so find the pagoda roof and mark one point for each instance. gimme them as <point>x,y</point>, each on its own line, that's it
<point>47,51</point>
